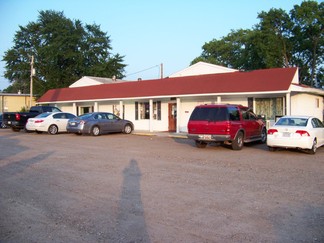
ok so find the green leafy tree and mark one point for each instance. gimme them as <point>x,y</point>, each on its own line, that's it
<point>308,39</point>
<point>278,40</point>
<point>64,51</point>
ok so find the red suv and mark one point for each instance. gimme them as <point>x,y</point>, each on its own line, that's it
<point>230,124</point>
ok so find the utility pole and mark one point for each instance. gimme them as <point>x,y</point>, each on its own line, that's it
<point>161,70</point>
<point>32,72</point>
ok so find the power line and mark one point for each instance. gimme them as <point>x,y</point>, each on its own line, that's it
<point>142,70</point>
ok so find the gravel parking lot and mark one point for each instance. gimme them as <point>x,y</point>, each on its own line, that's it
<point>130,188</point>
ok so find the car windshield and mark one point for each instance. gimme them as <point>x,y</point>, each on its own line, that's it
<point>292,121</point>
<point>43,115</point>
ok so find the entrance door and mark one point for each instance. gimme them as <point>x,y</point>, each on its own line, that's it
<point>172,117</point>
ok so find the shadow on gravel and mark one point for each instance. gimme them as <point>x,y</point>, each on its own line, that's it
<point>10,146</point>
<point>18,167</point>
<point>131,225</point>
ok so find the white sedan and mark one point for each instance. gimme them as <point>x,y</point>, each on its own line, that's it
<point>299,132</point>
<point>49,122</point>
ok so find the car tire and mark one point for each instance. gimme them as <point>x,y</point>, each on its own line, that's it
<point>237,144</point>
<point>128,129</point>
<point>200,144</point>
<point>52,129</point>
<point>263,136</point>
<point>314,148</point>
<point>95,131</point>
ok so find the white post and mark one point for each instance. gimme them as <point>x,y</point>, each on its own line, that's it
<point>219,99</point>
<point>288,108</point>
<point>75,112</point>
<point>96,107</point>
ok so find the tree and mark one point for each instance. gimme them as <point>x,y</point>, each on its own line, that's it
<point>278,40</point>
<point>64,51</point>
<point>308,39</point>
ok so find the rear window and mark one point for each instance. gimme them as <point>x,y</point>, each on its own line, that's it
<point>209,114</point>
<point>43,115</point>
<point>289,121</point>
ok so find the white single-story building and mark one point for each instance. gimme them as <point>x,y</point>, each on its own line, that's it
<point>166,104</point>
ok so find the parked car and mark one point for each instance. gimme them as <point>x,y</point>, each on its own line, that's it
<point>18,120</point>
<point>52,123</point>
<point>230,124</point>
<point>98,123</point>
<point>2,125</point>
<point>297,132</point>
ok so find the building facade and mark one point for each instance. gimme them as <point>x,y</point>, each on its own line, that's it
<point>166,104</point>
<point>15,102</point>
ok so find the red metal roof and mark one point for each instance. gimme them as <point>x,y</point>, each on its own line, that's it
<point>265,80</point>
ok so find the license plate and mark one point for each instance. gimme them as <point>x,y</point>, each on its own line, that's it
<point>206,136</point>
<point>286,134</point>
<point>72,123</point>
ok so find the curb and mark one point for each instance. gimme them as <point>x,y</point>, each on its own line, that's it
<point>160,134</point>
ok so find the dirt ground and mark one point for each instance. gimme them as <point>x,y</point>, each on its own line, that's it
<point>130,188</point>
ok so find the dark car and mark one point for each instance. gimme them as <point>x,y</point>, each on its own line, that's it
<point>231,124</point>
<point>98,123</point>
<point>2,125</point>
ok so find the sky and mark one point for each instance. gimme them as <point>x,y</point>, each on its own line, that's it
<point>146,32</point>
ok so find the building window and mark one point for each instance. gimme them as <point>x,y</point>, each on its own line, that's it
<point>142,110</point>
<point>157,110</point>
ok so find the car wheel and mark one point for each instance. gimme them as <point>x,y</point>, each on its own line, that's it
<point>200,144</point>
<point>314,148</point>
<point>128,129</point>
<point>237,144</point>
<point>95,131</point>
<point>53,129</point>
<point>272,149</point>
<point>263,135</point>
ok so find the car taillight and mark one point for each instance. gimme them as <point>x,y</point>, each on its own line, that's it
<point>303,133</point>
<point>17,117</point>
<point>39,121</point>
<point>272,131</point>
<point>228,127</point>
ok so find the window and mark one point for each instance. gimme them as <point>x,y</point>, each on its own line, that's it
<point>248,115</point>
<point>234,114</point>
<point>136,110</point>
<point>317,123</point>
<point>142,110</point>
<point>157,110</point>
<point>209,114</point>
